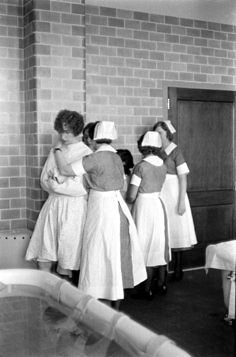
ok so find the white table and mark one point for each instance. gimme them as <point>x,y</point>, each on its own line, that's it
<point>222,256</point>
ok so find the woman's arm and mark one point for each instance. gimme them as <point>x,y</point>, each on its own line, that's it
<point>63,166</point>
<point>182,192</point>
<point>134,184</point>
<point>131,193</point>
<point>72,186</point>
<point>46,172</point>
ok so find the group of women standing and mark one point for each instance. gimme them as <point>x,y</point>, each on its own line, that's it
<point>86,224</point>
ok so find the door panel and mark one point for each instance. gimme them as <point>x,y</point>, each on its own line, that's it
<point>211,197</point>
<point>205,131</point>
<point>204,121</point>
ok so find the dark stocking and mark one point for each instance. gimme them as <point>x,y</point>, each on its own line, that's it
<point>148,282</point>
<point>178,265</point>
<point>162,275</point>
<point>75,277</point>
<point>115,305</point>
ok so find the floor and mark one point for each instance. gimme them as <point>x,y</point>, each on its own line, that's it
<point>191,314</point>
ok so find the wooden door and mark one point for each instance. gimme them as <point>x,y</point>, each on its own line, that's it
<point>204,121</point>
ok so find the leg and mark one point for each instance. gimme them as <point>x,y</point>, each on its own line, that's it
<point>178,265</point>
<point>148,282</point>
<point>75,277</point>
<point>226,283</point>
<point>145,291</point>
<point>162,279</point>
<point>65,274</point>
<point>162,274</point>
<point>106,302</point>
<point>45,266</point>
<point>115,304</point>
<point>148,294</point>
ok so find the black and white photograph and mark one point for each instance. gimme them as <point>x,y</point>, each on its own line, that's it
<point>117,178</point>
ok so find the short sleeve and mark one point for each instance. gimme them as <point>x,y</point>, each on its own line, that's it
<point>136,176</point>
<point>181,165</point>
<point>135,180</point>
<point>90,163</point>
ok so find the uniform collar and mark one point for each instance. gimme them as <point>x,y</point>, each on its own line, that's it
<point>154,160</point>
<point>170,148</point>
<point>106,147</point>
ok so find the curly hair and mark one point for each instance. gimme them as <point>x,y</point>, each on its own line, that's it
<point>162,124</point>
<point>69,120</point>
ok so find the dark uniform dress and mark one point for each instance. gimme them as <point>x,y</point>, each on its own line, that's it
<point>182,232</point>
<point>149,212</point>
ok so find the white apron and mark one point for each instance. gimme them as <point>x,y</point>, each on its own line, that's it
<point>182,232</point>
<point>149,215</point>
<point>101,274</point>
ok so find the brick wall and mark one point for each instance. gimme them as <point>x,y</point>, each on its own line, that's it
<point>130,56</point>
<point>54,79</point>
<point>42,71</point>
<point>12,151</point>
<point>118,71</point>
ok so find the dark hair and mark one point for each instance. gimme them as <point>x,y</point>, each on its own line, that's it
<point>88,130</point>
<point>104,141</point>
<point>72,120</point>
<point>147,150</point>
<point>127,160</point>
<point>163,125</point>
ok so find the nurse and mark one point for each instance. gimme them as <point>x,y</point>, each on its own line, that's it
<point>149,212</point>
<point>174,194</point>
<point>111,256</point>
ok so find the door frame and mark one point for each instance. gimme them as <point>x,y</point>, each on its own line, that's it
<point>179,84</point>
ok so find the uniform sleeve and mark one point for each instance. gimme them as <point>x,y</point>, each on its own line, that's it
<point>49,165</point>
<point>136,176</point>
<point>70,187</point>
<point>85,165</point>
<point>181,165</point>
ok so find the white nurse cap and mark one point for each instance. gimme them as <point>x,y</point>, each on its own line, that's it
<point>152,138</point>
<point>105,130</point>
<point>169,126</point>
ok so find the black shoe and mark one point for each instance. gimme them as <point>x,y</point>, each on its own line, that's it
<point>228,321</point>
<point>162,289</point>
<point>149,295</point>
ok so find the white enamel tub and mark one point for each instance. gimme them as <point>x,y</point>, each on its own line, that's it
<point>42,315</point>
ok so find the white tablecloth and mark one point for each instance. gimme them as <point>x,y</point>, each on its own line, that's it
<point>221,256</point>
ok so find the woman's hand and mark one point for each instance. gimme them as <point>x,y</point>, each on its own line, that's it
<point>54,175</point>
<point>50,175</point>
<point>181,207</point>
